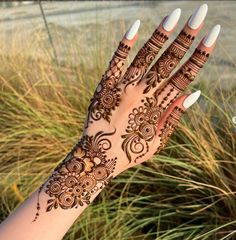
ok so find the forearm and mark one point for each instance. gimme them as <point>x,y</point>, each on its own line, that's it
<point>50,211</point>
<point>49,225</point>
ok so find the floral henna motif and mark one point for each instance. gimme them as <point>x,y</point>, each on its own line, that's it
<point>188,72</point>
<point>144,58</point>
<point>169,127</point>
<point>107,95</point>
<point>162,69</point>
<point>83,172</point>
<point>141,129</point>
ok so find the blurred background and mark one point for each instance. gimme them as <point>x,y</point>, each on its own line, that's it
<point>52,55</point>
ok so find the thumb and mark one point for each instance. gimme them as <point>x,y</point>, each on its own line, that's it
<point>171,117</point>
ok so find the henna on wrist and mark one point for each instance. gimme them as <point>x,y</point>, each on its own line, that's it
<point>83,172</point>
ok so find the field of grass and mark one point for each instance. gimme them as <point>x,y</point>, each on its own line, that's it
<point>186,192</point>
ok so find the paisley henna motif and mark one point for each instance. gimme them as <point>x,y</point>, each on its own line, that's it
<point>141,129</point>
<point>162,69</point>
<point>144,58</point>
<point>83,172</point>
<point>169,127</point>
<point>107,95</point>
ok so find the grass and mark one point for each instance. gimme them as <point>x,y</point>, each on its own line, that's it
<point>186,192</point>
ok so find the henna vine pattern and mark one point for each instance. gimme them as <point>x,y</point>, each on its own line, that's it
<point>169,127</point>
<point>162,69</point>
<point>83,172</point>
<point>107,95</point>
<point>144,58</point>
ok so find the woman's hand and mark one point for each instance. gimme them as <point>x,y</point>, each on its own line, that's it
<point>132,114</point>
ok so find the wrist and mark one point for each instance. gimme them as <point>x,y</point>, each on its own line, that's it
<point>82,174</point>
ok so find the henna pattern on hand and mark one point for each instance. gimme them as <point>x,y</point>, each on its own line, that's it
<point>107,95</point>
<point>190,69</point>
<point>144,58</point>
<point>142,125</point>
<point>141,128</point>
<point>83,172</point>
<point>162,69</point>
<point>169,127</point>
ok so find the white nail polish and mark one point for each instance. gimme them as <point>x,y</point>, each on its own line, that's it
<point>191,99</point>
<point>211,37</point>
<point>198,17</point>
<point>132,30</point>
<point>172,19</point>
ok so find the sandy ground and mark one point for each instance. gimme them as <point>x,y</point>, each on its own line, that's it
<point>24,21</point>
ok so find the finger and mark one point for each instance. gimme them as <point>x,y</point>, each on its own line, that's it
<point>147,53</point>
<point>171,117</point>
<point>163,67</point>
<point>114,71</point>
<point>107,95</point>
<point>187,73</point>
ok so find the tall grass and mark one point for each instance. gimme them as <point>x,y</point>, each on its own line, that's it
<point>186,192</point>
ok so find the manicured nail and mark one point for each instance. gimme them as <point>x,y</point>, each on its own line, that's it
<point>211,37</point>
<point>132,30</point>
<point>172,19</point>
<point>198,17</point>
<point>191,99</point>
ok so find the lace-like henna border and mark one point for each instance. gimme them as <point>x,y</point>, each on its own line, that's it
<point>107,95</point>
<point>83,172</point>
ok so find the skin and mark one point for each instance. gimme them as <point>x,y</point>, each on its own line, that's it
<point>130,118</point>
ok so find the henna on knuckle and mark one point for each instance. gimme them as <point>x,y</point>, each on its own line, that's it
<point>162,69</point>
<point>169,127</point>
<point>144,58</point>
<point>190,69</point>
<point>108,94</point>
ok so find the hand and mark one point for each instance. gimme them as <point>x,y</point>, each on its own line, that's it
<point>132,114</point>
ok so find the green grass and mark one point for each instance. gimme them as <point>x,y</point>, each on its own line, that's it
<point>186,192</point>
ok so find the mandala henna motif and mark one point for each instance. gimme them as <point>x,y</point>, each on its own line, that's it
<point>141,129</point>
<point>107,95</point>
<point>162,69</point>
<point>144,58</point>
<point>82,173</point>
<point>169,127</point>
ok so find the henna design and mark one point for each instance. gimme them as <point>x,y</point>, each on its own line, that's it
<point>144,58</point>
<point>190,69</point>
<point>107,95</point>
<point>142,124</point>
<point>82,173</point>
<point>162,69</point>
<point>169,127</point>
<point>141,128</point>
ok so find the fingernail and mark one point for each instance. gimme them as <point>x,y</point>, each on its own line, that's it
<point>132,30</point>
<point>198,17</point>
<point>211,37</point>
<point>191,99</point>
<point>172,20</point>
